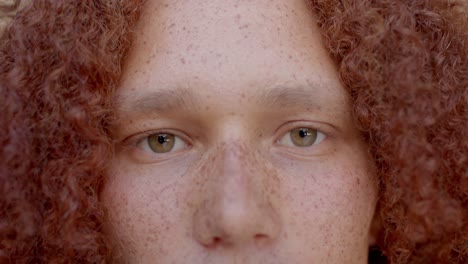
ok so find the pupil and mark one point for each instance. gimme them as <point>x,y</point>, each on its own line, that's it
<point>303,133</point>
<point>161,139</point>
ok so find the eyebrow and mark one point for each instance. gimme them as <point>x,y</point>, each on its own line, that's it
<point>184,99</point>
<point>158,101</point>
<point>289,96</point>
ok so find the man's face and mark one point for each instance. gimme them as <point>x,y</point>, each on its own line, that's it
<point>235,141</point>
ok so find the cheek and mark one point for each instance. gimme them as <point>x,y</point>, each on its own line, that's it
<point>330,204</point>
<point>143,208</point>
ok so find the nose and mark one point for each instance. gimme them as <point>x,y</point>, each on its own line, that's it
<point>236,210</point>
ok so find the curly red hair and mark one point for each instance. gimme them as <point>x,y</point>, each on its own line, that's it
<point>404,64</point>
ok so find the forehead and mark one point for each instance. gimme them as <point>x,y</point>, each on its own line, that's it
<point>228,47</point>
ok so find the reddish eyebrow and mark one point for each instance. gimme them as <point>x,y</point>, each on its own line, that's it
<point>183,99</point>
<point>282,97</point>
<point>157,101</point>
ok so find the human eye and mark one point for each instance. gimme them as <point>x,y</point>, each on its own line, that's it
<point>302,137</point>
<point>160,143</point>
<point>155,146</point>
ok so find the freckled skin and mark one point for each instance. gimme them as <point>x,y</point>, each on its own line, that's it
<point>233,195</point>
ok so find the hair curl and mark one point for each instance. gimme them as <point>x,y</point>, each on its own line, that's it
<point>59,64</point>
<point>404,64</point>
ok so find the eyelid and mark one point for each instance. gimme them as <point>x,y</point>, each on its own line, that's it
<point>134,140</point>
<point>326,129</point>
<point>287,137</point>
<point>130,146</point>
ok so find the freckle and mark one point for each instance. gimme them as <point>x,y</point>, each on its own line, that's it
<point>358,181</point>
<point>147,61</point>
<point>290,56</point>
<point>207,108</point>
<point>182,60</point>
<point>244,26</point>
<point>144,42</point>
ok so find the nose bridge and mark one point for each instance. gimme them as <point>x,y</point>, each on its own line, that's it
<point>238,185</point>
<point>241,199</point>
<point>240,176</point>
<point>237,208</point>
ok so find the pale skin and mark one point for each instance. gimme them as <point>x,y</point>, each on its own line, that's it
<point>229,82</point>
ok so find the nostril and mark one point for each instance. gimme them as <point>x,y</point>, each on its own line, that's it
<point>261,240</point>
<point>215,241</point>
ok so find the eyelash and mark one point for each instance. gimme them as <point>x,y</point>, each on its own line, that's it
<point>133,142</point>
<point>321,127</point>
<point>290,126</point>
<point>318,137</point>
